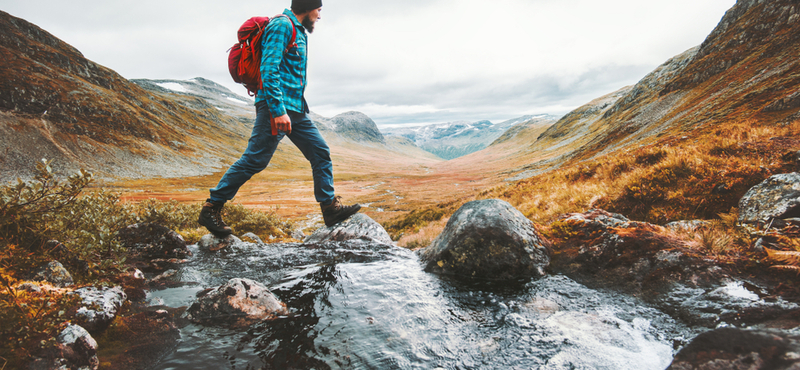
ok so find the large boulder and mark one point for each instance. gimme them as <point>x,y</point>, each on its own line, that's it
<point>488,239</point>
<point>238,302</point>
<point>733,349</point>
<point>99,307</point>
<point>359,226</point>
<point>777,197</point>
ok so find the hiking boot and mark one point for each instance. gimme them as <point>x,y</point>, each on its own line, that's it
<point>211,218</point>
<point>337,212</point>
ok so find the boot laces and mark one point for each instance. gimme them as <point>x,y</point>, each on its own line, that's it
<point>216,216</point>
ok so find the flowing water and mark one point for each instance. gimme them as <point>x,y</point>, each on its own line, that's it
<point>360,306</point>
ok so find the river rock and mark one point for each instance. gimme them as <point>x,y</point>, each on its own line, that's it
<point>54,273</point>
<point>153,241</point>
<point>488,239</point>
<point>664,269</point>
<point>75,349</point>
<point>359,226</point>
<point>777,197</point>
<point>238,302</point>
<point>734,349</point>
<point>99,307</point>
<point>214,243</point>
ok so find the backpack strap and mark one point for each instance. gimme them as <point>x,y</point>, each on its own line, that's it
<point>293,41</point>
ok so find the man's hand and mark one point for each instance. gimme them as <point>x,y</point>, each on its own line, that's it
<point>283,123</point>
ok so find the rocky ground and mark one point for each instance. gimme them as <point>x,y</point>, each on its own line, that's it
<point>750,308</point>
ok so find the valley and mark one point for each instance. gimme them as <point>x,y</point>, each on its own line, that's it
<point>641,202</point>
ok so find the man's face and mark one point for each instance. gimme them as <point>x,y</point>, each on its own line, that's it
<point>311,19</point>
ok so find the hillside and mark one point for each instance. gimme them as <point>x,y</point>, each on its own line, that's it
<point>746,69</point>
<point>685,142</point>
<point>83,115</point>
<point>744,75</point>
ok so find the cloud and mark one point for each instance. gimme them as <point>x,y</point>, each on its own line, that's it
<point>401,62</point>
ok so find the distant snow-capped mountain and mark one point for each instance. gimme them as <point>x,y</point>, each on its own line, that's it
<point>455,139</point>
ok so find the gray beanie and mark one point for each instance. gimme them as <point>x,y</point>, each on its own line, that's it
<point>302,6</point>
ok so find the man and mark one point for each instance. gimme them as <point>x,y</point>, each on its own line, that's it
<point>283,71</point>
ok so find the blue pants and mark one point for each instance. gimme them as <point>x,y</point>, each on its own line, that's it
<point>261,147</point>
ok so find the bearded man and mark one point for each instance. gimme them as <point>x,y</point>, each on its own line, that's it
<point>281,103</point>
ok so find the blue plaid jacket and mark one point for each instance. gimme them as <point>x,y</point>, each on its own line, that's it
<point>283,74</point>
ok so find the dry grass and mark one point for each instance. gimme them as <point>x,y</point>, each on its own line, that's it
<point>674,179</point>
<point>424,236</point>
<point>697,176</point>
<point>679,178</point>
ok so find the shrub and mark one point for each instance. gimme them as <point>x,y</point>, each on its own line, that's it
<point>35,212</point>
<point>30,321</point>
<point>86,223</point>
<point>245,220</point>
<point>171,213</point>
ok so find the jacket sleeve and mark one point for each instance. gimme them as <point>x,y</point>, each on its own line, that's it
<point>276,37</point>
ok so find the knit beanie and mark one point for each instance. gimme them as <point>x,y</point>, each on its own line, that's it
<point>302,6</point>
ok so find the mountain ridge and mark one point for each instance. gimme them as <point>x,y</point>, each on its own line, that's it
<point>746,69</point>
<point>452,140</point>
<point>80,114</point>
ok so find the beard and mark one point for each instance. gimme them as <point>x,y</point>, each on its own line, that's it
<point>308,24</point>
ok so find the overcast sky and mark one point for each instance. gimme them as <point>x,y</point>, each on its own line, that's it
<point>407,61</point>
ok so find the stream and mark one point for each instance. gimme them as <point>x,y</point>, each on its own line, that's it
<point>362,305</point>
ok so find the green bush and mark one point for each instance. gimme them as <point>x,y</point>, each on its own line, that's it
<point>244,220</point>
<point>34,212</point>
<point>171,214</point>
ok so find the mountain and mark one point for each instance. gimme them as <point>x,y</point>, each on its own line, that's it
<point>355,126</point>
<point>215,94</point>
<point>83,115</point>
<point>525,128</point>
<point>456,139</point>
<point>746,70</point>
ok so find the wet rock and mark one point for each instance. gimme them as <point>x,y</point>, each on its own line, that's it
<point>648,261</point>
<point>778,197</point>
<point>152,241</point>
<point>134,282</point>
<point>733,349</point>
<point>214,243</point>
<point>54,273</point>
<point>238,302</point>
<point>359,226</point>
<point>99,307</point>
<point>621,253</point>
<point>488,239</point>
<point>75,349</point>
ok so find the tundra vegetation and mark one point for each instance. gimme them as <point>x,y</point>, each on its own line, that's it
<point>699,176</point>
<point>52,218</point>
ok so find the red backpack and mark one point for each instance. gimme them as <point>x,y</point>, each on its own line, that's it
<point>244,58</point>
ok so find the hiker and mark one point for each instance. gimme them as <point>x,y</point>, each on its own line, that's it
<point>283,71</point>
